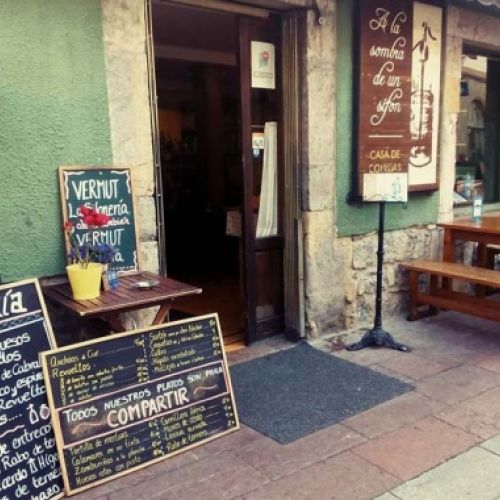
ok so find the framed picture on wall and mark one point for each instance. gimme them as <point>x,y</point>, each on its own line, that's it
<point>425,96</point>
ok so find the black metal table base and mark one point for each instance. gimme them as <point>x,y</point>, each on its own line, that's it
<point>377,337</point>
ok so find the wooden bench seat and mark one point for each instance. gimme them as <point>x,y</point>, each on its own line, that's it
<point>440,295</point>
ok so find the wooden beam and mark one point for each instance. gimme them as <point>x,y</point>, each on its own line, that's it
<point>221,5</point>
<point>195,55</point>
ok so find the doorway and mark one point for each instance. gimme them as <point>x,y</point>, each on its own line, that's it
<point>197,86</point>
<point>221,144</point>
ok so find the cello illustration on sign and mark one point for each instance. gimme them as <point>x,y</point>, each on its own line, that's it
<point>422,103</point>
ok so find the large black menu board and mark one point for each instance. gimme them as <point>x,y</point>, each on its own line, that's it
<point>129,400</point>
<point>29,467</point>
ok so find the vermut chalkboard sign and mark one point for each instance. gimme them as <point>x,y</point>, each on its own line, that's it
<point>107,190</point>
<point>132,399</point>
<point>29,467</point>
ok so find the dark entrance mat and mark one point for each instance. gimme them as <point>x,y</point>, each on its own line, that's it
<point>295,392</point>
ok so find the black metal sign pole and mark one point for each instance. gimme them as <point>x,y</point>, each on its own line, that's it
<point>377,336</point>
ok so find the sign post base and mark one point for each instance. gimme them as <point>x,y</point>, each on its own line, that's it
<point>377,336</point>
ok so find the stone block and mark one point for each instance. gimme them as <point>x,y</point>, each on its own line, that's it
<point>452,63</point>
<point>364,252</point>
<point>146,212</point>
<point>149,256</point>
<point>424,445</point>
<point>318,193</point>
<point>345,476</point>
<point>393,414</point>
<point>389,275</point>
<point>476,27</point>
<point>325,266</point>
<point>458,384</point>
<point>474,474</point>
<point>319,95</point>
<point>123,24</point>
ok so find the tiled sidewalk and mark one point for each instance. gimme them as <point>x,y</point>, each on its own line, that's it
<point>455,368</point>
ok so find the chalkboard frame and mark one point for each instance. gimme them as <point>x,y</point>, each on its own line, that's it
<point>55,417</point>
<point>36,283</point>
<point>48,328</point>
<point>96,168</point>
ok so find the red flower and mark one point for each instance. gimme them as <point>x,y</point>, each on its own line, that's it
<point>86,252</point>
<point>86,210</point>
<point>101,219</point>
<point>92,218</point>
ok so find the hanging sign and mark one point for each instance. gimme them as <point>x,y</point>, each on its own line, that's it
<point>127,401</point>
<point>107,190</point>
<point>29,467</point>
<point>263,65</point>
<point>385,90</point>
<point>398,96</point>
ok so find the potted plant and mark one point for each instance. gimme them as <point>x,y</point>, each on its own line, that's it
<point>87,259</point>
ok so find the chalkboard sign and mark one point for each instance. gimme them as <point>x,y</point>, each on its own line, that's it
<point>399,67</point>
<point>129,400</point>
<point>384,92</point>
<point>29,467</point>
<point>107,190</point>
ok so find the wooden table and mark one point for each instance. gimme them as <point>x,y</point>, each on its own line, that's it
<point>485,232</point>
<point>127,297</point>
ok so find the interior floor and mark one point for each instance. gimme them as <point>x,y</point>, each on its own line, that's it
<point>222,296</point>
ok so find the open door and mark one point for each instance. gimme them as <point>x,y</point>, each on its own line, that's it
<point>262,147</point>
<point>226,159</point>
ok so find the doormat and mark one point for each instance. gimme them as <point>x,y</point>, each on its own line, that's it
<point>295,392</point>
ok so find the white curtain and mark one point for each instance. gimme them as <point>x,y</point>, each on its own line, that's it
<point>267,221</point>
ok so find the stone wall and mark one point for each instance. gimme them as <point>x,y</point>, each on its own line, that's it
<point>323,302</point>
<point>124,35</point>
<point>340,271</point>
<point>361,276</point>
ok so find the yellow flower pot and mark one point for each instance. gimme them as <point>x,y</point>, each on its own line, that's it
<point>85,283</point>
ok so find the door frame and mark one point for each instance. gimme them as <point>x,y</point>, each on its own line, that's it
<point>248,226</point>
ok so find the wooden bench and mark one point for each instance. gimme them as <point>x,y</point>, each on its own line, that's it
<point>440,295</point>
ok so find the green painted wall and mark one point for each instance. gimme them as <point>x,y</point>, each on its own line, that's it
<point>53,111</point>
<point>422,208</point>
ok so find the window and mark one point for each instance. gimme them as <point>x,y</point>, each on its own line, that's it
<point>477,170</point>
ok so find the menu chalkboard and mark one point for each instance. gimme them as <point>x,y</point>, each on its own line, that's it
<point>29,467</point>
<point>107,190</point>
<point>129,400</point>
<point>385,65</point>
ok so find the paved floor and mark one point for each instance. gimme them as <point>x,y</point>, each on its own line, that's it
<point>440,441</point>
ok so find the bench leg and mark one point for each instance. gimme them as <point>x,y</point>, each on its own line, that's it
<point>413,288</point>
<point>482,261</point>
<point>433,286</point>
